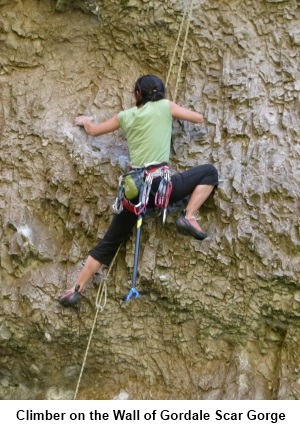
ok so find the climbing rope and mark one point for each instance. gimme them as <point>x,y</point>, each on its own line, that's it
<point>99,308</point>
<point>188,13</point>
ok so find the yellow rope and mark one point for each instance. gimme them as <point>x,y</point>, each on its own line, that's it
<point>190,8</point>
<point>176,44</point>
<point>102,289</point>
<point>183,48</point>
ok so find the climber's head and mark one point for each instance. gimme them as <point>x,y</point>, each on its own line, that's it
<point>149,88</point>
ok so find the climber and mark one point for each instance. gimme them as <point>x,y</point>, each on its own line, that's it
<point>147,127</point>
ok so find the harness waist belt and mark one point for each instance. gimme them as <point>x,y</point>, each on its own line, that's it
<point>155,166</point>
<point>149,167</point>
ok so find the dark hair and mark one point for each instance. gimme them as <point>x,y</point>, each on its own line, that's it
<point>151,89</point>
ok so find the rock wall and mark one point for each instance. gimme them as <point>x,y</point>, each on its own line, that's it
<point>220,319</point>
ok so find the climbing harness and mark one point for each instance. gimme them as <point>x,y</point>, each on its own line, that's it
<point>142,177</point>
<point>99,308</point>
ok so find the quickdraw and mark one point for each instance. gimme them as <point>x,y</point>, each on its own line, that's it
<point>117,207</point>
<point>164,191</point>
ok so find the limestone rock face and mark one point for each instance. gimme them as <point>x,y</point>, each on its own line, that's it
<point>221,318</point>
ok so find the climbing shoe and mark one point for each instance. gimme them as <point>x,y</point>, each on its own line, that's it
<point>190,227</point>
<point>71,298</point>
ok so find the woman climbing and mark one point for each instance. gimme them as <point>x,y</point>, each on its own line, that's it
<point>147,127</point>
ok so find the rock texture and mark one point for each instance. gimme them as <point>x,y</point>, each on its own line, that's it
<point>221,319</point>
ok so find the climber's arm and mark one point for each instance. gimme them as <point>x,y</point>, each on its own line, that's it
<point>97,129</point>
<point>179,112</point>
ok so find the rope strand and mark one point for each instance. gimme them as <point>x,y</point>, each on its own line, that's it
<point>102,289</point>
<point>176,44</point>
<point>189,7</point>
<point>183,49</point>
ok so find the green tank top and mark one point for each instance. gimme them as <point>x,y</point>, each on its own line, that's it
<point>148,132</point>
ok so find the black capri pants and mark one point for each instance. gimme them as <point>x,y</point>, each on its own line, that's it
<point>122,224</point>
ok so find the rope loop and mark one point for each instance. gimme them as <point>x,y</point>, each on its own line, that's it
<point>101,291</point>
